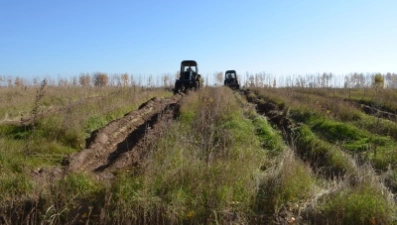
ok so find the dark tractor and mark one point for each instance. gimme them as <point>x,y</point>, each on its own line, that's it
<point>189,78</point>
<point>231,79</point>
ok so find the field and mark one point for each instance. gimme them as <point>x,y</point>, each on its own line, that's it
<point>135,155</point>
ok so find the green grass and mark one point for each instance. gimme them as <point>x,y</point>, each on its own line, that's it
<point>14,186</point>
<point>269,137</point>
<point>377,126</point>
<point>209,165</point>
<point>56,135</point>
<point>14,180</point>
<point>353,138</point>
<point>218,163</point>
<point>329,135</point>
<point>361,205</point>
<point>326,157</point>
<point>365,135</point>
<point>80,186</point>
<point>288,181</point>
<point>378,149</point>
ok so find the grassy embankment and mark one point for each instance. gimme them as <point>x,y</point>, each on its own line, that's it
<point>347,146</point>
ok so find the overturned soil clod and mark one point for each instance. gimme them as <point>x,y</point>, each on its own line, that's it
<point>114,141</point>
<point>121,143</point>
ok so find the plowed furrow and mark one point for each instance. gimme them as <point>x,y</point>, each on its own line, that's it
<point>373,110</point>
<point>113,142</point>
<point>134,149</point>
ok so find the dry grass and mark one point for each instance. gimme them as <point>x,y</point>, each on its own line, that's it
<point>218,163</point>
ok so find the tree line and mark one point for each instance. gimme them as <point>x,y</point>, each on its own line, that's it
<point>97,79</point>
<point>324,80</point>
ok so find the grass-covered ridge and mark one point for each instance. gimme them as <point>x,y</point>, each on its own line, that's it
<point>344,144</point>
<point>208,162</point>
<point>214,166</point>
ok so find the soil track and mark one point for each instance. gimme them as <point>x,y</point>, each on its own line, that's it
<point>277,116</point>
<point>123,140</point>
<point>373,110</point>
<point>121,143</point>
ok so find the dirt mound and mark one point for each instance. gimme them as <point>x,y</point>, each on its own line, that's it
<point>121,143</point>
<point>107,144</point>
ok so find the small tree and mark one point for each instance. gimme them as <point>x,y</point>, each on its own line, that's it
<point>100,79</point>
<point>85,80</point>
<point>378,81</point>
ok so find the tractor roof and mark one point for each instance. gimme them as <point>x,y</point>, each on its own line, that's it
<point>188,63</point>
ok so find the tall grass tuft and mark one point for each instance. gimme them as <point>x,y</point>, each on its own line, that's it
<point>360,199</point>
<point>287,182</point>
<point>34,113</point>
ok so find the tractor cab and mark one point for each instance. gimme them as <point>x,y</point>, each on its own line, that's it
<point>189,78</point>
<point>188,70</point>
<point>231,79</point>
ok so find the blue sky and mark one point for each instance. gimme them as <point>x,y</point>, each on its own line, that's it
<point>295,37</point>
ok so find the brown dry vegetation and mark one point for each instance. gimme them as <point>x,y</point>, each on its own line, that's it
<point>215,156</point>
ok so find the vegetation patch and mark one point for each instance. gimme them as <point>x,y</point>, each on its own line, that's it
<point>218,162</point>
<point>207,168</point>
<point>325,157</point>
<point>270,138</point>
<point>361,205</point>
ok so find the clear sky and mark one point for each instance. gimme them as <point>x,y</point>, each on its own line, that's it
<point>281,37</point>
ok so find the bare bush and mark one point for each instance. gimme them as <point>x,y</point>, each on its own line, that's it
<point>85,80</point>
<point>100,79</point>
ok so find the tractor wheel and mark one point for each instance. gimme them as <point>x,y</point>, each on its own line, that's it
<point>182,88</point>
<point>177,88</point>
<point>196,85</point>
